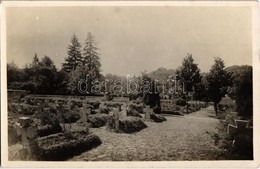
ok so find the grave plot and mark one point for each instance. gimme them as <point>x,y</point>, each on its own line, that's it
<point>120,122</point>
<point>151,116</point>
<point>64,145</point>
<point>52,132</point>
<point>40,144</point>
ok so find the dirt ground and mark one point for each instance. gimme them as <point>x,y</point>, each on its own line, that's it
<point>179,138</point>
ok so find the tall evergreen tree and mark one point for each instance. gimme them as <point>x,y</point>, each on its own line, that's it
<point>74,55</point>
<point>90,57</point>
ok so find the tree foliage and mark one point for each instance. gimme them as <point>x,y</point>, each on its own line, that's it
<point>189,73</point>
<point>74,55</point>
<point>218,81</point>
<point>148,89</point>
<point>241,88</point>
<point>90,58</point>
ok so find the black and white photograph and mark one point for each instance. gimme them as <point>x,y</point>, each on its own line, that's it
<point>129,82</point>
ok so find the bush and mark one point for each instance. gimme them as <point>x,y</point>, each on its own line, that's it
<point>180,102</point>
<point>94,104</point>
<point>48,130</point>
<point>98,120</point>
<point>127,125</point>
<point>179,113</point>
<point>63,145</point>
<point>136,107</point>
<point>157,110</point>
<point>113,104</point>
<point>104,110</point>
<point>191,109</point>
<point>177,108</point>
<point>133,113</point>
<point>157,118</point>
<point>49,116</point>
<point>24,109</point>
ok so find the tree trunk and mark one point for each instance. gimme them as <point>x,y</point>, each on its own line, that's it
<point>216,108</point>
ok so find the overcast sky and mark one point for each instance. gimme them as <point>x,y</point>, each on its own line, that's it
<point>133,39</point>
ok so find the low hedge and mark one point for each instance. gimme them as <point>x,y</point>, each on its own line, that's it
<point>48,130</point>
<point>127,125</point>
<point>98,120</point>
<point>62,146</point>
<point>180,102</point>
<point>136,107</point>
<point>157,118</point>
<point>95,104</point>
<point>24,109</point>
<point>113,104</point>
<point>134,113</point>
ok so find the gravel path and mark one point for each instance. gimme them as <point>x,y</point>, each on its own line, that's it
<point>179,138</point>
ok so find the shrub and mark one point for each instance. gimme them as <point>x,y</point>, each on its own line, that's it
<point>127,125</point>
<point>49,116</point>
<point>133,113</point>
<point>191,109</point>
<point>28,109</point>
<point>104,110</point>
<point>157,110</point>
<point>48,129</point>
<point>25,109</point>
<point>113,104</point>
<point>94,104</point>
<point>177,108</point>
<point>179,113</point>
<point>98,120</point>
<point>136,107</point>
<point>180,102</point>
<point>157,118</point>
<point>64,145</point>
<point>78,103</point>
<point>70,117</point>
<point>79,126</point>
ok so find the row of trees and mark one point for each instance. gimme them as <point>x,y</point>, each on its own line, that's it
<point>234,81</point>
<point>42,77</point>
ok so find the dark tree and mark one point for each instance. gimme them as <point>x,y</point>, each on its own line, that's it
<point>74,55</point>
<point>148,90</point>
<point>189,73</point>
<point>241,88</point>
<point>90,57</point>
<point>15,76</point>
<point>218,81</point>
<point>40,76</point>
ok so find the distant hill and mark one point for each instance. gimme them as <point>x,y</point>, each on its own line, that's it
<point>161,73</point>
<point>236,68</point>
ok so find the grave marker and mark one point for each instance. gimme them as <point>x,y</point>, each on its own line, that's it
<point>148,112</point>
<point>116,114</point>
<point>123,112</point>
<point>240,127</point>
<point>26,128</point>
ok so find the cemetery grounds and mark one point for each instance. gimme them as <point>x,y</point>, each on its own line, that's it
<point>193,136</point>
